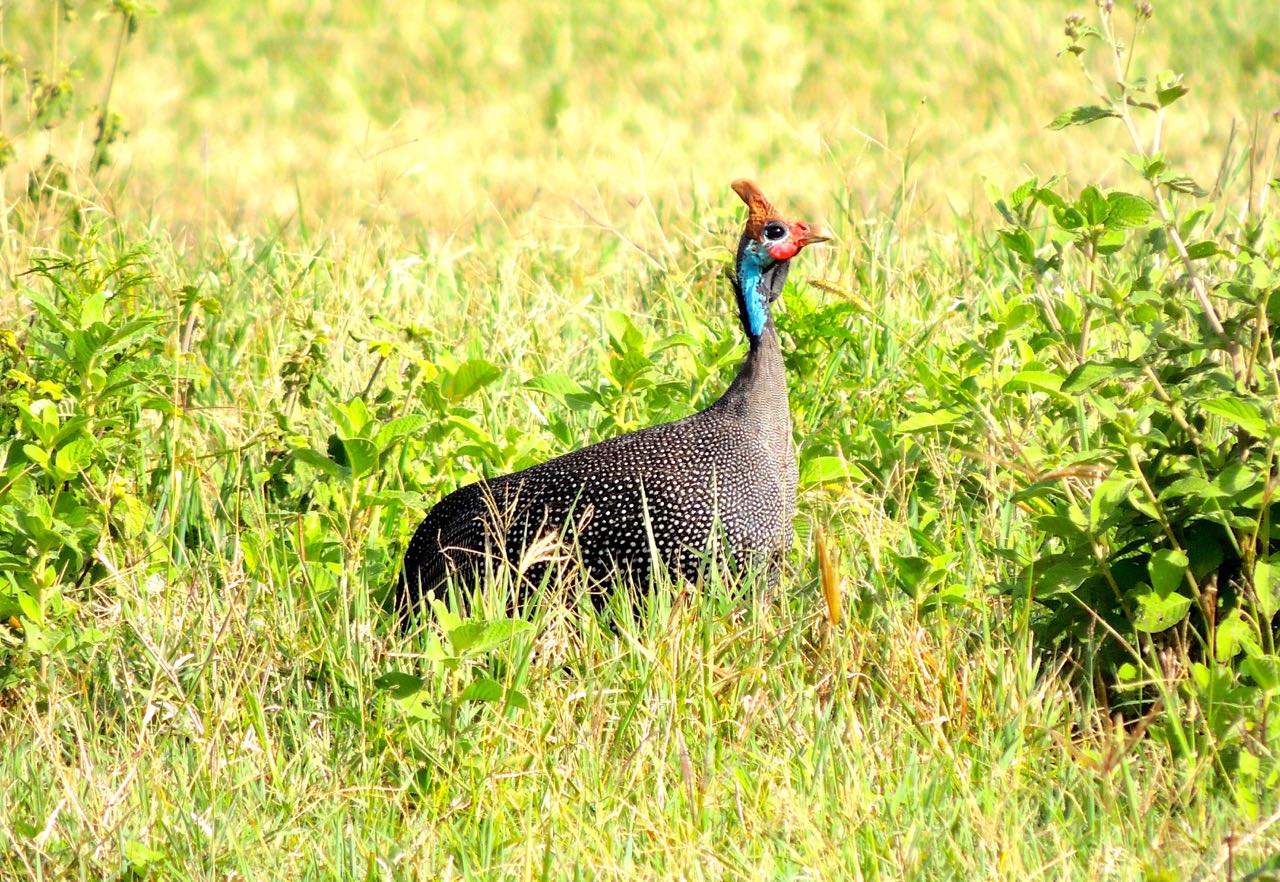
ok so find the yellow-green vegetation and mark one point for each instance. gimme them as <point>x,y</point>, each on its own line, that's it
<point>278,275</point>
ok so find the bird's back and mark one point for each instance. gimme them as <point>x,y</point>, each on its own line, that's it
<point>709,486</point>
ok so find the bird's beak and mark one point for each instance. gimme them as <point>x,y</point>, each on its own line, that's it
<point>807,235</point>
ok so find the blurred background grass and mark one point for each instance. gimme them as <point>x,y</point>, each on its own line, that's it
<point>441,114</point>
<point>507,175</point>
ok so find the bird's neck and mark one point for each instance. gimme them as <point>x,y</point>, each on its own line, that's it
<point>758,394</point>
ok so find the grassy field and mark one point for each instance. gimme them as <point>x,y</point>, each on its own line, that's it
<point>453,240</point>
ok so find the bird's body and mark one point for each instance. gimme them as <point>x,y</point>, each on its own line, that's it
<point>717,485</point>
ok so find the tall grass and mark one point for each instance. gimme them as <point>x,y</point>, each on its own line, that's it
<point>331,202</point>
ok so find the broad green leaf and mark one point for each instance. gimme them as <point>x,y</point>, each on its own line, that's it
<point>140,857</point>
<point>517,699</point>
<point>1234,633</point>
<point>626,336</point>
<point>74,455</point>
<point>477,637</point>
<point>1199,250</point>
<point>36,454</point>
<point>1265,671</point>
<point>30,608</point>
<point>1239,412</point>
<point>1081,116</point>
<point>92,309</point>
<point>362,455</point>
<point>352,417</point>
<point>1092,205</point>
<point>409,424</point>
<point>1266,584</point>
<point>470,376</point>
<point>557,384</point>
<point>1107,498</point>
<point>1020,194</point>
<point>317,460</point>
<point>399,684</point>
<point>1169,87</point>
<point>1054,575</point>
<point>445,617</point>
<point>828,469</point>
<point>913,572</point>
<point>1092,373</point>
<point>1156,611</point>
<point>482,689</point>
<point>1127,210</point>
<point>930,420</point>
<point>1045,381</point>
<point>1194,486</point>
<point>1167,568</point>
<point>1020,243</point>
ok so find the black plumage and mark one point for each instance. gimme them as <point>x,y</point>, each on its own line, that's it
<point>719,484</point>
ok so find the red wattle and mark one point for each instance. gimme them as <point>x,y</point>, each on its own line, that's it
<point>784,250</point>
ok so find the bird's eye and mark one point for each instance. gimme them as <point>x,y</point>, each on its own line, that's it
<point>774,231</point>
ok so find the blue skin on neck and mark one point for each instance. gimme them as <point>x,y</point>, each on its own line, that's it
<point>755,260</point>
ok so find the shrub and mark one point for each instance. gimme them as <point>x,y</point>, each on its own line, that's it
<point>1125,378</point>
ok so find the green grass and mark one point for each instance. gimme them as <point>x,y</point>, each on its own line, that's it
<point>512,180</point>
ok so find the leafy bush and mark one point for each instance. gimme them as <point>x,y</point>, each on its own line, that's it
<point>78,384</point>
<point>1126,380</point>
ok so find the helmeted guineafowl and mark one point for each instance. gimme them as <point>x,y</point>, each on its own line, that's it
<point>720,483</point>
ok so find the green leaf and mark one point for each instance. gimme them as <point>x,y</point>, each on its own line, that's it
<point>1193,486</point>
<point>30,608</point>
<point>140,857</point>
<point>1265,671</point>
<point>1092,205</point>
<point>470,376</point>
<point>1107,498</point>
<point>1266,585</point>
<point>1167,568</point>
<point>1238,412</point>
<point>1169,87</point>
<point>912,571</point>
<point>478,637</point>
<point>351,417</point>
<point>1199,250</point>
<point>362,455</point>
<point>1082,116</point>
<point>1045,381</point>
<point>36,454</point>
<point>409,424</point>
<point>73,456</point>
<point>1156,611</point>
<point>1127,210</point>
<point>517,699</point>
<point>1181,184</point>
<point>1234,634</point>
<point>1093,373</point>
<point>1058,573</point>
<point>482,689</point>
<point>93,309</point>
<point>399,684</point>
<point>317,460</point>
<point>1019,242</point>
<point>933,419</point>
<point>626,336</point>
<point>817,470</point>
<point>557,384</point>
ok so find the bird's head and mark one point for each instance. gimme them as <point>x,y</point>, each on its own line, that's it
<point>768,243</point>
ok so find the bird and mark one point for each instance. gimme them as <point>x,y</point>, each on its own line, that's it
<point>718,485</point>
